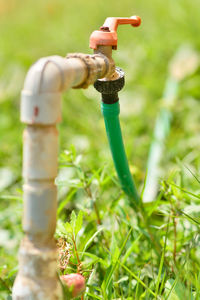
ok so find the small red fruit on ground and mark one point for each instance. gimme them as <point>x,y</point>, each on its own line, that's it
<point>75,281</point>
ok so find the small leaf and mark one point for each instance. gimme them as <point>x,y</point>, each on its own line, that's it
<point>60,229</point>
<point>95,258</point>
<point>114,249</point>
<point>73,220</point>
<point>78,160</point>
<point>73,151</point>
<point>68,227</point>
<point>79,222</point>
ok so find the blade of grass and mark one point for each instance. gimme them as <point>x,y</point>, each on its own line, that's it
<point>162,261</point>
<point>189,217</point>
<point>162,283</point>
<point>172,287</point>
<point>137,278</point>
<point>185,191</point>
<point>197,285</point>
<point>94,296</point>
<point>130,249</point>
<point>137,287</point>
<point>194,175</point>
<point>64,202</point>
<point>91,239</point>
<point>106,283</point>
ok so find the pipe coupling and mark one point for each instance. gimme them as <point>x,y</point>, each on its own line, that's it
<point>94,66</point>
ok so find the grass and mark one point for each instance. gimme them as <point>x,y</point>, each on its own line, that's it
<point>123,254</point>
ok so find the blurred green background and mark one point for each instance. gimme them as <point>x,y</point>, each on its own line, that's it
<point>30,29</point>
<point>33,29</point>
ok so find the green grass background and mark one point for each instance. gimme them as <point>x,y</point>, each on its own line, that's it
<point>33,29</point>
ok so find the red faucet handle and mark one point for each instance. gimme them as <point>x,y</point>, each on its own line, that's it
<point>107,35</point>
<point>112,23</point>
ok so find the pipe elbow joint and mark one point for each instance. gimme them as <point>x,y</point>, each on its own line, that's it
<point>41,95</point>
<point>44,84</point>
<point>50,76</point>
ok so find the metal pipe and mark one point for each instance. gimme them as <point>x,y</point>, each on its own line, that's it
<point>41,111</point>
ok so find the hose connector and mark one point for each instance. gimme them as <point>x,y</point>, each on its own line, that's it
<point>109,88</point>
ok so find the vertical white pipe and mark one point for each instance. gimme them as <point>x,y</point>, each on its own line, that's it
<point>41,110</point>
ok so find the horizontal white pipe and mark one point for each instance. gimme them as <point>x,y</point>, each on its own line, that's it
<point>54,74</point>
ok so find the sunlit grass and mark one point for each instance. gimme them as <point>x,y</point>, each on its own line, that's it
<point>160,257</point>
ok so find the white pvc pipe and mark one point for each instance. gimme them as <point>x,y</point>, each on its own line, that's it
<point>41,111</point>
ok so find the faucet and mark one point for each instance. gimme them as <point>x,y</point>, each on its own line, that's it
<point>45,82</point>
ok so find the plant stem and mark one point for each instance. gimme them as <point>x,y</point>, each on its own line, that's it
<point>5,284</point>
<point>175,237</point>
<point>88,191</point>
<point>75,248</point>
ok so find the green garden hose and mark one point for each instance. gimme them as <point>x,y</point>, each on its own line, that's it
<point>111,118</point>
<point>110,109</point>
